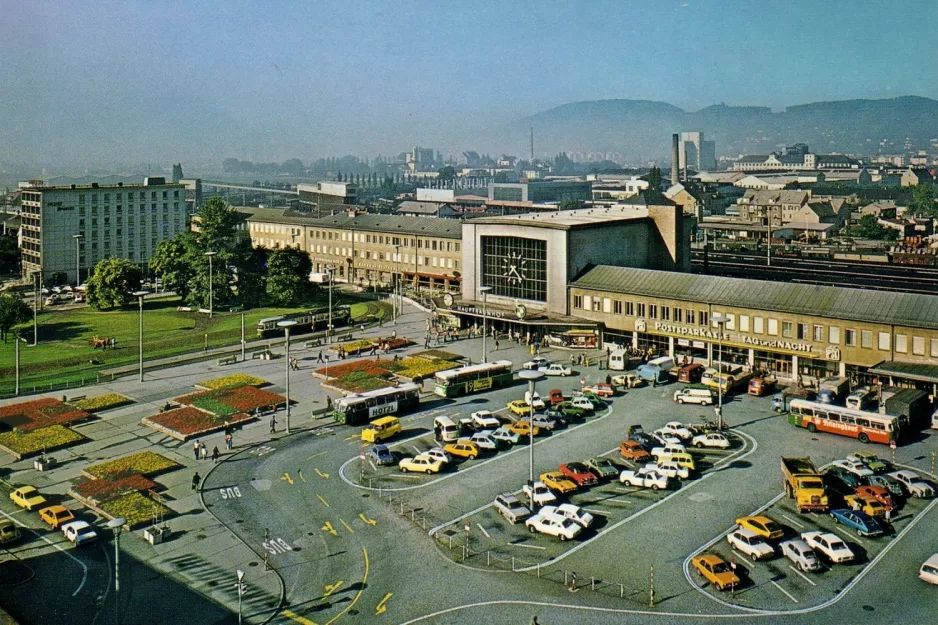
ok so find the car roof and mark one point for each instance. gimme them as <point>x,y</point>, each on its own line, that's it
<point>748,533</point>
<point>77,525</point>
<point>711,558</point>
<point>932,560</point>
<point>797,542</point>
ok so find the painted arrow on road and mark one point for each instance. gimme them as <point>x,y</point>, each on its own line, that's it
<point>382,605</point>
<point>286,478</point>
<point>372,522</point>
<point>331,588</point>
<point>300,474</point>
<point>324,476</point>
<point>328,528</point>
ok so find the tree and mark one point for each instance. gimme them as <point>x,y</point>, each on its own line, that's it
<point>923,200</point>
<point>251,273</point>
<point>13,311</point>
<point>112,283</point>
<point>9,255</point>
<point>447,173</point>
<point>870,228</point>
<point>288,276</point>
<point>569,204</point>
<point>172,261</point>
<point>218,226</point>
<point>654,179</point>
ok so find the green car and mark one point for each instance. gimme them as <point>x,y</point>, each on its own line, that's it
<point>568,410</point>
<point>594,399</point>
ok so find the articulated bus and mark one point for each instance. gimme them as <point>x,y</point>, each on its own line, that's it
<point>314,319</point>
<point>867,427</point>
<point>365,407</point>
<point>473,378</point>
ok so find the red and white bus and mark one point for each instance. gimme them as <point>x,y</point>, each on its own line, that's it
<point>867,427</point>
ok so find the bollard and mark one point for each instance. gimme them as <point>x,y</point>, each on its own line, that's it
<point>538,570</point>
<point>451,542</point>
<point>621,591</point>
<point>592,583</point>
<point>402,507</point>
<point>651,590</point>
<point>412,515</point>
<point>565,577</point>
<point>488,558</point>
<point>512,564</point>
<point>932,463</point>
<point>424,523</point>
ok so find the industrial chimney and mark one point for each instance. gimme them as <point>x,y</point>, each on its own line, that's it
<point>675,161</point>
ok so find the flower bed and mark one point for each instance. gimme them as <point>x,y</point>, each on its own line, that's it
<point>33,415</point>
<point>231,381</point>
<point>375,368</point>
<point>240,399</point>
<point>413,367</point>
<point>190,422</point>
<point>100,490</point>
<point>360,384</point>
<point>102,402</point>
<point>143,463</point>
<point>364,345</point>
<point>135,508</point>
<point>24,444</point>
<point>438,354</point>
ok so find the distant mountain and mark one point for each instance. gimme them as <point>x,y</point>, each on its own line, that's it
<point>642,129</point>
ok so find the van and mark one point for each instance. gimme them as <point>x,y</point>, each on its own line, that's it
<point>694,395</point>
<point>8,531</point>
<point>858,399</point>
<point>381,429</point>
<point>618,360</point>
<point>690,373</point>
<point>684,460</point>
<point>656,370</point>
<point>445,430</point>
<point>761,386</point>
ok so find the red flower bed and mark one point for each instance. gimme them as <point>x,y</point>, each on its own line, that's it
<point>245,398</point>
<point>373,368</point>
<point>40,413</point>
<point>191,420</point>
<point>104,489</point>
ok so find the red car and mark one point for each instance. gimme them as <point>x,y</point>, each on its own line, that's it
<point>556,396</point>
<point>601,389</point>
<point>878,493</point>
<point>579,473</point>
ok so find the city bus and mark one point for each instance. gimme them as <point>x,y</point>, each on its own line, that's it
<point>473,378</point>
<point>867,427</point>
<point>365,407</point>
<point>314,319</point>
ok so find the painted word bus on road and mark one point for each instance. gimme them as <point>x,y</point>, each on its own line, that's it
<point>867,427</point>
<point>473,378</point>
<point>365,407</point>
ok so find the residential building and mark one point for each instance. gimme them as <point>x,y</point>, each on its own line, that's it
<point>678,194</point>
<point>325,198</point>
<point>914,176</point>
<point>779,206</point>
<point>410,208</point>
<point>695,153</point>
<point>541,191</point>
<point>120,220</point>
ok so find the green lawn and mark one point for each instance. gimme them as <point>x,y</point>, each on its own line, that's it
<point>64,353</point>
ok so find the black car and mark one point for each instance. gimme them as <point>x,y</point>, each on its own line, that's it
<point>644,440</point>
<point>564,416</point>
<point>841,481</point>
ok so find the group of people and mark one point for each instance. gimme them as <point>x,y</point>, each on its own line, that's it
<point>200,451</point>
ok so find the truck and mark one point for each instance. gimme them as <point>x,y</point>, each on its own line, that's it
<point>729,378</point>
<point>831,389</point>
<point>805,484</point>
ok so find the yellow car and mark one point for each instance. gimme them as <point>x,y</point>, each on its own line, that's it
<point>463,449</point>
<point>557,481</point>
<point>763,526</point>
<point>56,516</point>
<point>716,571</point>
<point>867,505</point>
<point>519,407</point>
<point>523,428</point>
<point>27,497</point>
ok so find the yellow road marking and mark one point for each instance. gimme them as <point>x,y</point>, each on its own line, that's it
<point>324,476</point>
<point>316,455</point>
<point>353,436</point>
<point>286,478</point>
<point>323,501</point>
<point>328,528</point>
<point>382,607</point>
<point>331,588</point>
<point>358,595</point>
<point>371,522</point>
<point>342,521</point>
<point>297,618</point>
<point>300,473</point>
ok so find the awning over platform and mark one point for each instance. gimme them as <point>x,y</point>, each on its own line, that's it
<point>907,370</point>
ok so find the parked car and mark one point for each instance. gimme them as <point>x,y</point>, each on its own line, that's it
<point>667,450</point>
<point>861,522</point>
<point>748,542</point>
<point>484,441</point>
<point>569,511</point>
<point>600,389</point>
<point>543,422</point>
<point>929,570</point>
<point>633,450</point>
<point>9,532</point>
<point>506,436</point>
<point>713,440</point>
<point>555,396</point>
<point>597,402</point>
<point>665,438</point>
<point>678,429</point>
<point>536,363</point>
<point>555,368</point>
<point>672,469</point>
<point>840,480</point>
<point>540,493</point>
<point>553,525</point>
<point>523,428</point>
<point>873,462</point>
<point>569,411</point>
<point>715,570</point>
<point>79,532</point>
<point>534,400</point>
<point>646,477</point>
<point>894,488</point>
<point>603,467</point>
<point>27,497</point>
<point>854,466</point>
<point>582,402</point>
<point>830,545</point>
<point>420,464</point>
<point>485,420</point>
<point>510,507</point>
<point>55,516</point>
<point>438,453</point>
<point>463,448</point>
<point>761,525</point>
<point>878,493</point>
<point>381,454</point>
<point>557,481</point>
<point>693,395</point>
<point>579,473</point>
<point>870,506</point>
<point>628,380</point>
<point>519,407</point>
<point>799,552</point>
<point>913,484</point>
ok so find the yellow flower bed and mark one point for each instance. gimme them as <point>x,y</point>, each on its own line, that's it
<point>231,381</point>
<point>353,347</point>
<point>47,438</point>
<point>419,367</point>
<point>102,402</point>
<point>144,463</point>
<point>135,508</point>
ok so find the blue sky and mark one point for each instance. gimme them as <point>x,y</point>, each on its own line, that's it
<point>102,81</point>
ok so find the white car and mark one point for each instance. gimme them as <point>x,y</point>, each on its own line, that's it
<point>553,525</point>
<point>534,400</point>
<point>542,421</point>
<point>929,571</point>
<point>853,466</point>
<point>646,477</point>
<point>666,438</point>
<point>79,532</point>
<point>542,495</point>
<point>579,401</point>
<point>668,450</point>
<point>504,435</point>
<point>420,464</point>
<point>484,440</point>
<point>748,542</point>
<point>799,552</point>
<point>485,420</point>
<point>678,429</point>
<point>913,484</point>
<point>537,363</point>
<point>713,439</point>
<point>569,511</point>
<point>437,453</point>
<point>671,469</point>
<point>509,507</point>
<point>831,545</point>
<point>556,368</point>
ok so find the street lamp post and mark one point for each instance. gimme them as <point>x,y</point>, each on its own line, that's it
<point>36,308</point>
<point>117,525</point>
<point>241,588</point>
<point>484,290</point>
<point>17,339</point>
<point>211,285</point>
<point>78,238</point>
<point>395,299</point>
<point>331,271</point>
<point>532,377</point>
<point>242,336</point>
<point>140,295</point>
<point>286,325</point>
<point>720,320</point>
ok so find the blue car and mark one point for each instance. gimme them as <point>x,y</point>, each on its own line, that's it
<point>381,455</point>
<point>864,524</point>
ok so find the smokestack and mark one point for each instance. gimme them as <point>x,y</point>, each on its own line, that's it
<point>675,146</point>
<point>532,144</point>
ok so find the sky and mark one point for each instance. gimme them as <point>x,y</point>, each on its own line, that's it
<point>96,82</point>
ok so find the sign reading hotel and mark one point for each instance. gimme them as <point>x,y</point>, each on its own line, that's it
<point>725,336</point>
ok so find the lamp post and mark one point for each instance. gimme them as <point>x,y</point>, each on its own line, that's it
<point>117,525</point>
<point>286,325</point>
<point>242,336</point>
<point>532,377</point>
<point>36,308</point>
<point>241,588</point>
<point>17,338</point>
<point>331,271</point>
<point>395,300</point>
<point>78,238</point>
<point>211,285</point>
<point>720,320</point>
<point>484,290</point>
<point>140,295</point>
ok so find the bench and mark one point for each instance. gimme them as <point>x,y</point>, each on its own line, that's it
<point>312,344</point>
<point>77,398</point>
<point>228,360</point>
<point>263,355</point>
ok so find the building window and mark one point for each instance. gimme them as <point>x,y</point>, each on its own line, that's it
<point>665,313</point>
<point>884,340</point>
<point>596,302</point>
<point>704,318</point>
<point>902,343</point>
<point>833,335</point>
<point>850,337</point>
<point>587,302</point>
<point>578,301</point>
<point>802,331</point>
<point>818,333</point>
<point>678,315</point>
<point>772,327</point>
<point>918,346</point>
<point>691,316</point>
<point>866,339</point>
<point>744,323</point>
<point>630,309</point>
<point>934,348</point>
<point>617,307</point>
<point>515,267</point>
<point>641,310</point>
<point>653,311</point>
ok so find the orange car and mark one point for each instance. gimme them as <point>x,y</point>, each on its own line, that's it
<point>56,515</point>
<point>632,450</point>
<point>716,571</point>
<point>878,493</point>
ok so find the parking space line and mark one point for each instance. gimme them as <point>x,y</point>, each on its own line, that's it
<point>372,464</point>
<point>786,593</point>
<point>792,521</point>
<point>847,536</point>
<point>803,576</point>
<point>743,558</point>
<point>479,525</point>
<point>416,449</point>
<point>594,511</point>
<point>527,546</point>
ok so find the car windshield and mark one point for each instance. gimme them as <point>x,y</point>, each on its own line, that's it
<point>720,567</point>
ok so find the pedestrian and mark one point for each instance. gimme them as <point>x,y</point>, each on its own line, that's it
<point>195,449</point>
<point>203,451</point>
<point>328,402</point>
<point>426,342</point>
<point>496,344</point>
<point>319,358</point>
<point>273,424</point>
<point>215,454</point>
<point>228,442</point>
<point>534,620</point>
<point>572,581</point>
<point>195,480</point>
<point>608,379</point>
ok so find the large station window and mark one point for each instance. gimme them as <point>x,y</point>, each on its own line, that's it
<point>515,267</point>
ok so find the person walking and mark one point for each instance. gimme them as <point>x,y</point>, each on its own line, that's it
<point>195,449</point>
<point>215,454</point>
<point>496,344</point>
<point>273,424</point>
<point>319,358</point>
<point>196,479</point>
<point>572,581</point>
<point>228,442</point>
<point>203,451</point>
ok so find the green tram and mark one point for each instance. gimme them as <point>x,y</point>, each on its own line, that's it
<point>314,319</point>
<point>473,378</point>
<point>362,408</point>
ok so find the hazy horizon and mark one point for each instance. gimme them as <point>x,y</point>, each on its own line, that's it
<point>278,80</point>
